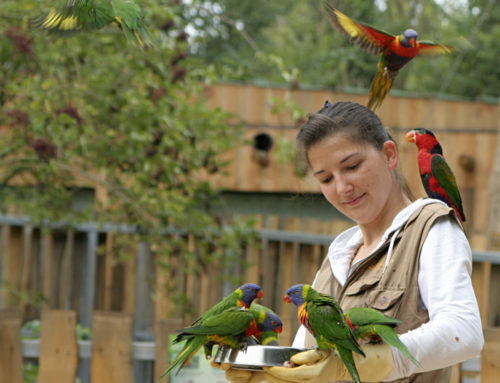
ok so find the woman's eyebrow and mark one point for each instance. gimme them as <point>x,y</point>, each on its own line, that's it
<point>348,156</point>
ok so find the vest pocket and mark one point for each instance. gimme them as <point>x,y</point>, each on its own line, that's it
<point>384,300</point>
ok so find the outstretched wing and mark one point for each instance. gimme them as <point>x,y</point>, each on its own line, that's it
<point>445,177</point>
<point>431,48</point>
<point>371,39</point>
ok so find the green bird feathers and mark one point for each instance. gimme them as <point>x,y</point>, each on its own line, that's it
<point>374,326</point>
<point>231,328</point>
<point>323,317</point>
<point>89,15</point>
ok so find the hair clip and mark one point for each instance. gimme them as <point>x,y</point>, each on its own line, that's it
<point>327,104</point>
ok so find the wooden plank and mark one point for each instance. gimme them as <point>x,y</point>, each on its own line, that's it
<point>58,347</point>
<point>27,256</point>
<point>10,347</point>
<point>490,356</point>
<point>66,270</point>
<point>481,277</point>
<point>47,257</point>
<point>111,348</point>
<point>163,329</point>
<point>108,271</point>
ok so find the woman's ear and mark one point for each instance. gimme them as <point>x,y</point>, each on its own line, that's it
<point>391,154</point>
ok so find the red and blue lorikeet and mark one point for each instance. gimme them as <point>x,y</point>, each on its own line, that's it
<point>89,15</point>
<point>230,327</point>
<point>374,326</point>
<point>395,51</point>
<point>437,177</point>
<point>323,317</point>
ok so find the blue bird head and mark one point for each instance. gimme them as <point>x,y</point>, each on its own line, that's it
<point>271,322</point>
<point>409,38</point>
<point>249,292</point>
<point>296,294</point>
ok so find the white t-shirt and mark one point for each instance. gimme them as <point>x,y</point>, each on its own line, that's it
<point>454,331</point>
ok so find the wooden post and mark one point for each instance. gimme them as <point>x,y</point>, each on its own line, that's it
<point>58,347</point>
<point>67,270</point>
<point>47,262</point>
<point>490,356</point>
<point>163,329</point>
<point>111,348</point>
<point>108,271</point>
<point>10,347</point>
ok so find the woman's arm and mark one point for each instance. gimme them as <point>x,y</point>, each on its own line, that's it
<point>454,331</point>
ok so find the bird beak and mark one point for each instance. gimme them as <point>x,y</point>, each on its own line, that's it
<point>260,294</point>
<point>412,42</point>
<point>278,330</point>
<point>411,136</point>
<point>287,299</point>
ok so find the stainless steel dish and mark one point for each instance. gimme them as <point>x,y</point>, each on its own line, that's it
<point>255,356</point>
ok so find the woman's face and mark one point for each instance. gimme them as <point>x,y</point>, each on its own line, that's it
<point>355,178</point>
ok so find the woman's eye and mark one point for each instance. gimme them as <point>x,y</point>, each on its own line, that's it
<point>352,167</point>
<point>326,180</point>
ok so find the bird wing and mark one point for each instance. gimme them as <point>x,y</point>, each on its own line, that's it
<point>360,316</point>
<point>76,15</point>
<point>229,322</point>
<point>372,40</point>
<point>130,16</point>
<point>445,177</point>
<point>431,48</point>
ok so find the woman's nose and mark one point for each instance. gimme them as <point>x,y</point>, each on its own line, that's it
<point>344,186</point>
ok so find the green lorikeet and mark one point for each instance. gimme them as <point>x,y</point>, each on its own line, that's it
<point>395,51</point>
<point>243,296</point>
<point>372,325</point>
<point>88,15</point>
<point>323,317</point>
<point>437,177</point>
<point>269,324</point>
<point>230,327</point>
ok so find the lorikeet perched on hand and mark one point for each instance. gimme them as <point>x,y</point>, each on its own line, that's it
<point>230,327</point>
<point>323,317</point>
<point>395,51</point>
<point>269,324</point>
<point>370,324</point>
<point>88,15</point>
<point>437,177</point>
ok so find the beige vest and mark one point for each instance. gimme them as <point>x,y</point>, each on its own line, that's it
<point>395,290</point>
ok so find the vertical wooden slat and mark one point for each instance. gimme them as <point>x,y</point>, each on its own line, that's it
<point>66,270</point>
<point>111,348</point>
<point>163,329</point>
<point>490,356</point>
<point>191,278</point>
<point>88,280</point>
<point>58,347</point>
<point>27,256</point>
<point>129,283</point>
<point>11,262</point>
<point>47,263</point>
<point>481,276</point>
<point>108,271</point>
<point>10,347</point>
<point>4,240</point>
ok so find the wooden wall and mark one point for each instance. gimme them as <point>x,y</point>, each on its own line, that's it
<point>467,131</point>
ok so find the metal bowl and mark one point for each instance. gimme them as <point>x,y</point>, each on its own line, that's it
<point>255,357</point>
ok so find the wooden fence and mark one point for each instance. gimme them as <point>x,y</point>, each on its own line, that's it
<point>121,301</point>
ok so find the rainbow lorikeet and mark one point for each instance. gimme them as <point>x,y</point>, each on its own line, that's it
<point>395,51</point>
<point>437,177</point>
<point>89,15</point>
<point>243,297</point>
<point>230,327</point>
<point>269,324</point>
<point>322,316</point>
<point>372,325</point>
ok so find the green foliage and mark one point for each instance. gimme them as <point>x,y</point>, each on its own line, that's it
<point>93,111</point>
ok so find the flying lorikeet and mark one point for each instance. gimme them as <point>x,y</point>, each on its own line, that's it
<point>372,325</point>
<point>323,317</point>
<point>230,327</point>
<point>395,51</point>
<point>437,177</point>
<point>269,325</point>
<point>89,15</point>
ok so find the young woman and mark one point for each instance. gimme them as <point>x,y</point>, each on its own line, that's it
<point>410,260</point>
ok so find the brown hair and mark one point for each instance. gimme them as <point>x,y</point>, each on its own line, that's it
<point>354,119</point>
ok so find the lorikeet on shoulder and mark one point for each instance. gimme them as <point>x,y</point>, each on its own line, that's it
<point>323,317</point>
<point>374,326</point>
<point>437,177</point>
<point>89,15</point>
<point>395,50</point>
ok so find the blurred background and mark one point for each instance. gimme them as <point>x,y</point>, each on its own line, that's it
<point>140,186</point>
